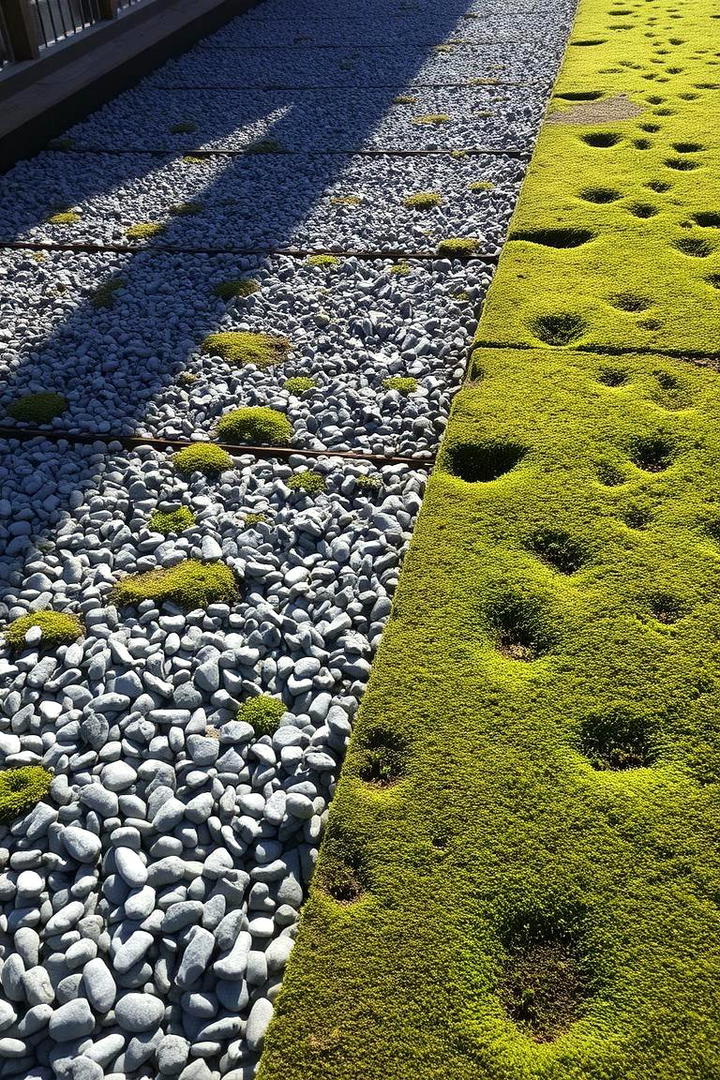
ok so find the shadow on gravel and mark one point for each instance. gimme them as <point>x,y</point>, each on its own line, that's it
<point>77,358</point>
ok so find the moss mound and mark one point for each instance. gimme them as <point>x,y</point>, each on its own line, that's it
<point>144,230</point>
<point>37,408</point>
<point>104,295</point>
<point>258,425</point>
<point>183,127</point>
<point>242,347</point>
<point>203,457</point>
<point>63,217</point>
<point>458,247</point>
<point>238,287</point>
<point>186,209</point>
<point>21,789</point>
<point>57,627</point>
<point>430,119</point>
<point>190,584</point>
<point>322,260</point>
<point>174,521</point>
<point>263,712</point>
<point>300,385</point>
<point>308,481</point>
<point>403,384</point>
<point>423,200</point>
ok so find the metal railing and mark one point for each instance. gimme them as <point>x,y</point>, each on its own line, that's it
<point>57,20</point>
<point>28,28</point>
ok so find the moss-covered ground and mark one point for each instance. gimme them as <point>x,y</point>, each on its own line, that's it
<point>520,879</point>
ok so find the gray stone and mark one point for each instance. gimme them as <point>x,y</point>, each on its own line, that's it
<point>71,1021</point>
<point>138,1012</point>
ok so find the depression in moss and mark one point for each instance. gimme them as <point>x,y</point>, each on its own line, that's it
<point>57,628</point>
<point>202,457</point>
<point>259,425</point>
<point>243,347</point>
<point>190,584</point>
<point>263,712</point>
<point>37,408</point>
<point>172,521</point>
<point>21,789</point>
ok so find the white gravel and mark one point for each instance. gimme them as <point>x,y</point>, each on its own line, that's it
<point>497,117</point>
<point>264,200</point>
<point>351,326</point>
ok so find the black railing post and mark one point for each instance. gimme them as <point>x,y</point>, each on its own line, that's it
<point>21,28</point>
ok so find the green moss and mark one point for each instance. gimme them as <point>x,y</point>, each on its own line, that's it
<point>400,269</point>
<point>186,209</point>
<point>308,481</point>
<point>21,789</point>
<point>258,425</point>
<point>368,483</point>
<point>63,143</point>
<point>264,146</point>
<point>345,200</point>
<point>190,584</point>
<point>183,127</point>
<point>144,230</point>
<point>430,119</point>
<point>187,378</point>
<point>263,712</point>
<point>174,521</point>
<point>104,295</point>
<point>37,408</point>
<point>404,99</point>
<point>458,247</point>
<point>193,159</point>
<point>300,385</point>
<point>202,457</point>
<point>322,260</point>
<point>423,200</point>
<point>481,185</point>
<point>58,628</point>
<point>242,347</point>
<point>402,384</point>
<point>63,217</point>
<point>254,519</point>
<point>551,658</point>
<point>228,290</point>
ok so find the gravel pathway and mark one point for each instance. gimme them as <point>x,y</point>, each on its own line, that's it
<point>149,904</point>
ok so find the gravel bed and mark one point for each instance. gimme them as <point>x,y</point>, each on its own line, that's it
<point>262,200</point>
<point>351,327</point>
<point>150,902</point>
<point>504,117</point>
<point>427,11</point>
<point>500,25</point>
<point>529,62</point>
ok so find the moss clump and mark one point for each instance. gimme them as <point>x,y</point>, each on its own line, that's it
<point>104,295</point>
<point>458,247</point>
<point>367,483</point>
<point>322,260</point>
<point>254,519</point>
<point>21,789</point>
<point>481,185</point>
<point>183,127</point>
<point>430,119</point>
<point>229,290</point>
<point>423,200</point>
<point>401,383</point>
<point>263,712</point>
<point>193,159</point>
<point>58,628</point>
<point>37,408</point>
<point>174,521</point>
<point>259,425</point>
<point>242,347</point>
<point>400,269</point>
<point>63,217</point>
<point>404,99</point>
<point>63,143</point>
<point>300,385</point>
<point>202,457</point>
<point>190,584</point>
<point>187,378</point>
<point>308,481</point>
<point>345,200</point>
<point>144,230</point>
<point>186,209</point>
<point>264,146</point>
